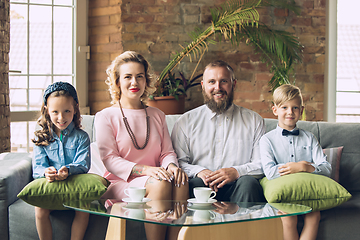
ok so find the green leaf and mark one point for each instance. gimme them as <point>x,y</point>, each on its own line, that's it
<point>238,21</point>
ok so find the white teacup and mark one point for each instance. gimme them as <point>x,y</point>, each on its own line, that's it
<point>135,213</point>
<point>135,193</point>
<point>203,215</point>
<point>203,194</point>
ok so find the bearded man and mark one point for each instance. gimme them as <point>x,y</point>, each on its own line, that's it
<point>217,144</point>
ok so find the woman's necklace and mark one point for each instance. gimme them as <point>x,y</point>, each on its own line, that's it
<point>131,134</point>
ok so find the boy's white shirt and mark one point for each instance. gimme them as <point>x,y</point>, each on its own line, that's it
<point>277,150</point>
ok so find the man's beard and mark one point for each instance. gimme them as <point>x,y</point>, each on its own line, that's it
<point>218,107</point>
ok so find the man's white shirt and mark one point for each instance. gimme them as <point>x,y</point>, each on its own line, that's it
<point>206,140</point>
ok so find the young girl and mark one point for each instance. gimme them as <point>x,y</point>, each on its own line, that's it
<point>61,149</point>
<point>134,142</point>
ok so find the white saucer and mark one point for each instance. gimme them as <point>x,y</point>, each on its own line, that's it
<point>128,200</point>
<point>195,202</point>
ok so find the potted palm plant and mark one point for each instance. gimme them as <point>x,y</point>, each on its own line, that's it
<point>237,21</point>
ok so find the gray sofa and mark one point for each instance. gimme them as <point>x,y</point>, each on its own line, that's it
<point>17,220</point>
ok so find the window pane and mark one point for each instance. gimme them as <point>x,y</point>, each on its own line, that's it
<point>63,2</point>
<point>18,136</point>
<point>40,82</point>
<point>40,39</point>
<point>41,1</point>
<point>36,90</point>
<point>347,118</point>
<point>348,84</point>
<point>17,82</point>
<point>35,99</point>
<point>18,100</point>
<point>18,1</point>
<point>63,40</point>
<point>21,135</point>
<point>31,134</point>
<point>347,103</point>
<point>63,79</point>
<point>18,38</point>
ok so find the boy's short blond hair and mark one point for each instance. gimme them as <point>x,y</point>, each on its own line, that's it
<point>286,92</point>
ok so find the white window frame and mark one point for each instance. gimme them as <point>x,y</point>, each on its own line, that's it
<point>330,62</point>
<point>332,110</point>
<point>81,55</point>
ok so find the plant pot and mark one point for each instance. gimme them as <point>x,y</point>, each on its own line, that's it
<point>168,104</point>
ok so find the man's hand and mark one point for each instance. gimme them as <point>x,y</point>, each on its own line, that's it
<point>295,167</point>
<point>225,207</point>
<point>221,177</point>
<point>203,175</point>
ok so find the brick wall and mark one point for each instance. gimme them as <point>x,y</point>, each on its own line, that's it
<point>156,28</point>
<point>4,79</point>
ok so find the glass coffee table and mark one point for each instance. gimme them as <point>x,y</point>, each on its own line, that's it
<point>218,220</point>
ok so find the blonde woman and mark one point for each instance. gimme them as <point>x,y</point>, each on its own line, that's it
<point>134,141</point>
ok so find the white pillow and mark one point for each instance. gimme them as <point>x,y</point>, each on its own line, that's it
<point>97,166</point>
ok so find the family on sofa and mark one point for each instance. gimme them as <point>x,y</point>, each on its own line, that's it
<point>137,150</point>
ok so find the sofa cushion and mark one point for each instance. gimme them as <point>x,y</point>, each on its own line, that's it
<point>334,157</point>
<point>44,194</point>
<point>316,191</point>
<point>97,165</point>
<point>87,123</point>
<point>347,135</point>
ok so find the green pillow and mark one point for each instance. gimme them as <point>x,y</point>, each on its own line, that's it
<point>92,205</point>
<point>52,195</point>
<point>290,208</point>
<point>316,191</point>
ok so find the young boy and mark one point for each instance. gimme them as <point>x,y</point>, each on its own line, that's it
<point>288,149</point>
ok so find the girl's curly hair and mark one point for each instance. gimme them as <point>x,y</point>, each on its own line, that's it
<point>113,75</point>
<point>43,137</point>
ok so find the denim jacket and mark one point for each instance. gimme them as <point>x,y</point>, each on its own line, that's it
<point>73,151</point>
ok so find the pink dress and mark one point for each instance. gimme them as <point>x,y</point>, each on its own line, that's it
<point>118,152</point>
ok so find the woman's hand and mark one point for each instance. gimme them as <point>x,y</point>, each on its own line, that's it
<point>157,215</point>
<point>178,211</point>
<point>158,173</point>
<point>180,176</point>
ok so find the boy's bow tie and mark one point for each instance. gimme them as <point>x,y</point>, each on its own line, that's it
<point>286,132</point>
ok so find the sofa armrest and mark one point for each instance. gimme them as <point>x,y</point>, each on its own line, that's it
<point>15,173</point>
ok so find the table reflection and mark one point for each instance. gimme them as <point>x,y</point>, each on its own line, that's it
<point>184,213</point>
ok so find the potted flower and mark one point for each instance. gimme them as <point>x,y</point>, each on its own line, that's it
<point>170,93</point>
<point>237,21</point>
